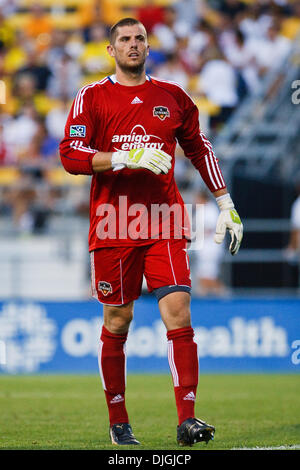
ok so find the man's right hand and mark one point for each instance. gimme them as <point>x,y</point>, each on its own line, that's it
<point>154,160</point>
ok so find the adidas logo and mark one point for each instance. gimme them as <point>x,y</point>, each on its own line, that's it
<point>190,396</point>
<point>117,399</point>
<point>136,100</point>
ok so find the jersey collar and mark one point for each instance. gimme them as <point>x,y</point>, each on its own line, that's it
<point>113,78</point>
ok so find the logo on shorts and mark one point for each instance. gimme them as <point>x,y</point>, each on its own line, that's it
<point>105,287</point>
<point>161,112</point>
<point>77,131</point>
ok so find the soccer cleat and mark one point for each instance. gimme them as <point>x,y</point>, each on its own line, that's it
<point>194,430</point>
<point>121,434</point>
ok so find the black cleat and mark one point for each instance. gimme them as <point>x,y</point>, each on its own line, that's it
<point>194,430</point>
<point>122,435</point>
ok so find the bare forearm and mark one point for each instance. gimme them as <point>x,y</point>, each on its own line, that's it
<point>220,192</point>
<point>102,161</point>
<point>294,242</point>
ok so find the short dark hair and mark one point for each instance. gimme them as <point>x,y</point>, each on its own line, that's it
<point>124,22</point>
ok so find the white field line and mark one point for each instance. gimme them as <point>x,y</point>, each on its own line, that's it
<point>292,447</point>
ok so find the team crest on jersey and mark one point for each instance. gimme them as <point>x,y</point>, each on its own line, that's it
<point>77,131</point>
<point>161,112</point>
<point>105,287</point>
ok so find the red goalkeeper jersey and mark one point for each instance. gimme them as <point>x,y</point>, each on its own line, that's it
<point>106,116</point>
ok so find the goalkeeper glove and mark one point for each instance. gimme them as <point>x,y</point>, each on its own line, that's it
<point>154,160</point>
<point>229,219</point>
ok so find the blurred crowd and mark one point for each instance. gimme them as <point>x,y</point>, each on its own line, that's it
<point>219,51</point>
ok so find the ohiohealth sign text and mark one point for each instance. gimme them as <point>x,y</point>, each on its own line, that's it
<point>241,335</point>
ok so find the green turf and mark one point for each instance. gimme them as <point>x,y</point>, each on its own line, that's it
<point>69,412</point>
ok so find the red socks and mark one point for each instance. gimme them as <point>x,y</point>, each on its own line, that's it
<point>183,361</point>
<point>112,367</point>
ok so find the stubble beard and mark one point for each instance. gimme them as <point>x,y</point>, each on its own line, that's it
<point>133,70</point>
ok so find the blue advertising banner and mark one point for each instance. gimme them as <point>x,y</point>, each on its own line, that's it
<point>236,335</point>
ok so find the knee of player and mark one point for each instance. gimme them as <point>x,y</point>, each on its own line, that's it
<point>175,310</point>
<point>177,303</point>
<point>182,316</point>
<point>119,325</point>
<point>117,319</point>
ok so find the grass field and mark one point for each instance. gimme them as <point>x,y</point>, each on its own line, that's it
<point>69,412</point>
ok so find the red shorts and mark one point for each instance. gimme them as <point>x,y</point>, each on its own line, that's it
<point>117,272</point>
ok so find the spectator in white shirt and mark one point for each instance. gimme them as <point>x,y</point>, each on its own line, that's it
<point>269,52</point>
<point>66,77</point>
<point>242,59</point>
<point>253,23</point>
<point>172,70</point>
<point>56,119</point>
<point>198,39</point>
<point>19,131</point>
<point>218,82</point>
<point>172,28</point>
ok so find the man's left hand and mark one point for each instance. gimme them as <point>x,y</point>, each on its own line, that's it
<point>229,220</point>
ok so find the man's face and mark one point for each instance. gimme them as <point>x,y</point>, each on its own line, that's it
<point>130,48</point>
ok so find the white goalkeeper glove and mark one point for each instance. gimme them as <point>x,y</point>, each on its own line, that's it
<point>229,219</point>
<point>154,160</point>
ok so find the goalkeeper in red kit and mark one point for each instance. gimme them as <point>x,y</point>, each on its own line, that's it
<point>123,130</point>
